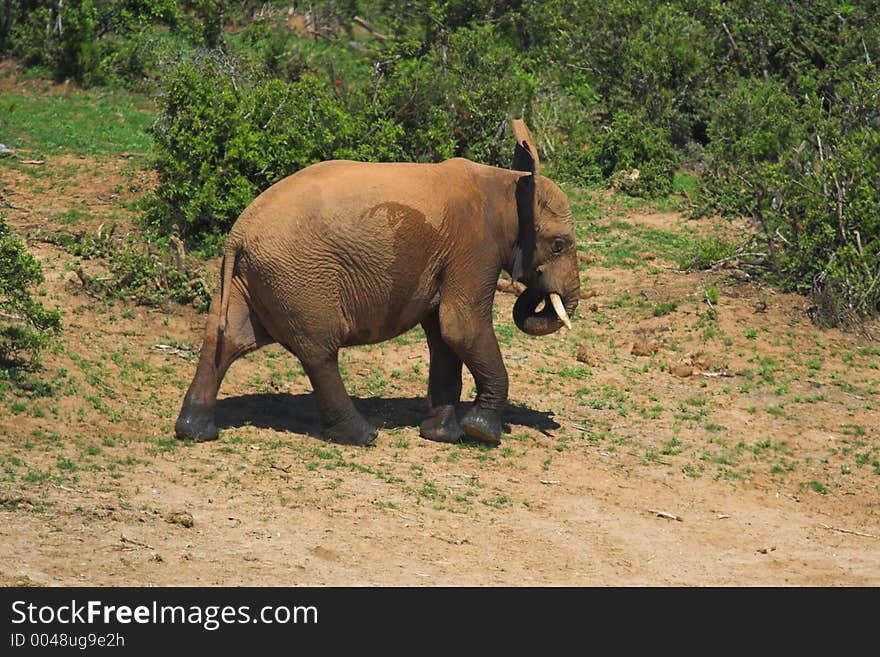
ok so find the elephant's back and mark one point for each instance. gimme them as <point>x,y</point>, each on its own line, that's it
<point>370,237</point>
<point>350,206</point>
<point>343,191</point>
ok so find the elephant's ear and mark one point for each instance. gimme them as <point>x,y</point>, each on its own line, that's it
<point>525,154</point>
<point>525,158</point>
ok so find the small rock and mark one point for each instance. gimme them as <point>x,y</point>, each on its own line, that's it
<point>681,370</point>
<point>586,355</point>
<point>702,361</point>
<point>642,348</point>
<point>182,518</point>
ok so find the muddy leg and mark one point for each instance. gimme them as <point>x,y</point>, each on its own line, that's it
<point>340,419</point>
<point>472,337</point>
<point>243,334</point>
<point>444,387</point>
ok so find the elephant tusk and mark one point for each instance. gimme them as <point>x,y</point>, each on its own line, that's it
<point>556,300</point>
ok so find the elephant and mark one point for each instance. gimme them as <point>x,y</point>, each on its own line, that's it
<point>346,253</point>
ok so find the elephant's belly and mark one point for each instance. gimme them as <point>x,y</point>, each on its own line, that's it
<point>379,324</point>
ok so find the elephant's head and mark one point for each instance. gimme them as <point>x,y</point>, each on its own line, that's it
<point>545,257</point>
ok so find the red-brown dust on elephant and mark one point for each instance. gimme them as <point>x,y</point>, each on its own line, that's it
<point>348,253</point>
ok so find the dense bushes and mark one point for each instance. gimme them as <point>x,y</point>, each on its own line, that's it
<point>775,104</point>
<point>26,327</point>
<point>797,148</point>
<point>96,42</point>
<point>224,134</point>
<point>226,130</point>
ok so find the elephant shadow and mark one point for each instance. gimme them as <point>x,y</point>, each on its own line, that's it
<point>299,413</point>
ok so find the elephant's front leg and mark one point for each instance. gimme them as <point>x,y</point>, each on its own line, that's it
<point>340,419</point>
<point>444,386</point>
<point>468,330</point>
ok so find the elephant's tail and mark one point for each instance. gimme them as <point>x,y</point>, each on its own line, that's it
<point>227,266</point>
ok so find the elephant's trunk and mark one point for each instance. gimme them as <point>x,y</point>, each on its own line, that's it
<point>548,319</point>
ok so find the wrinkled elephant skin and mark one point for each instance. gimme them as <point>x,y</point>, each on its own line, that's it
<point>348,253</point>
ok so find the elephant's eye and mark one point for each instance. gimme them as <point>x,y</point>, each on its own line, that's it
<point>558,245</point>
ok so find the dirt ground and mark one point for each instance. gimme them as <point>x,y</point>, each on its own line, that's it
<point>671,438</point>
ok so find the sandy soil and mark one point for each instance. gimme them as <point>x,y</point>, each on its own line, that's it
<point>645,448</point>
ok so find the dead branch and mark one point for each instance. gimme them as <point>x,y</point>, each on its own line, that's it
<point>138,544</point>
<point>510,287</point>
<point>730,39</point>
<point>179,253</point>
<point>175,351</point>
<point>666,514</point>
<point>69,490</point>
<point>848,531</point>
<point>14,318</point>
<point>369,27</point>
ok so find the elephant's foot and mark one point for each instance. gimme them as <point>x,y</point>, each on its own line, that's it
<point>483,425</point>
<point>442,426</point>
<point>351,431</point>
<point>195,426</point>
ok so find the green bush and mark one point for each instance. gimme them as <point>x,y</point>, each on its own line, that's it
<point>146,270</point>
<point>226,131</point>
<point>804,169</point>
<point>773,103</point>
<point>638,155</point>
<point>559,116</point>
<point>705,253</point>
<point>26,327</point>
<point>93,42</point>
<point>448,97</point>
<point>224,134</point>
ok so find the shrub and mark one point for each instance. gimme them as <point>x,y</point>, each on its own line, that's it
<point>448,97</point>
<point>226,131</point>
<point>803,170</point>
<point>26,327</point>
<point>704,253</point>
<point>146,270</point>
<point>224,134</point>
<point>92,42</point>
<point>639,155</point>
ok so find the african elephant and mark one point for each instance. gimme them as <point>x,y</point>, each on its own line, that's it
<point>348,253</point>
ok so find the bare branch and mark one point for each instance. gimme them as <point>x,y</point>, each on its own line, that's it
<point>369,27</point>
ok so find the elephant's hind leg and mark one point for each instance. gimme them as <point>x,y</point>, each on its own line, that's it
<point>243,334</point>
<point>340,419</point>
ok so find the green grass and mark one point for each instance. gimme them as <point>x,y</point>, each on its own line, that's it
<point>620,243</point>
<point>703,253</point>
<point>664,308</point>
<point>85,122</point>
